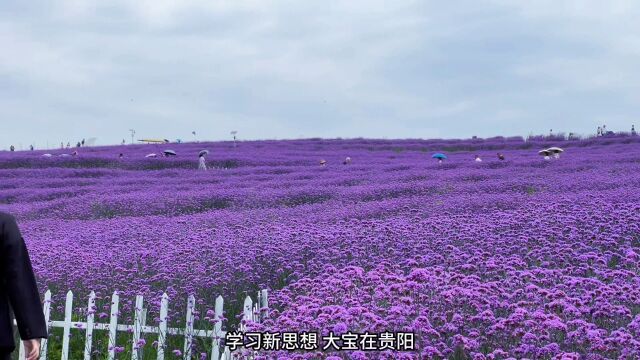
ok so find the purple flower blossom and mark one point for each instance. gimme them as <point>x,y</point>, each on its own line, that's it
<point>505,259</point>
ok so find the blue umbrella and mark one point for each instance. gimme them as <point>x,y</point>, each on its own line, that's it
<point>439,156</point>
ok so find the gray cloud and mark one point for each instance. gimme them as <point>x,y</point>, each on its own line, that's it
<point>283,69</point>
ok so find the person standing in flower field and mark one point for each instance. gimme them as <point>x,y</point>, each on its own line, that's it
<point>18,293</point>
<point>202,165</point>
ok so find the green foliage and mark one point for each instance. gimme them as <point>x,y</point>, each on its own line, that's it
<point>305,199</point>
<point>459,354</point>
<point>613,261</point>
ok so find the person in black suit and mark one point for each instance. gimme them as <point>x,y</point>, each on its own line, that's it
<point>19,293</point>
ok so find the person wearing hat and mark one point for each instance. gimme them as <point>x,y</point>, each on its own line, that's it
<point>323,162</point>
<point>500,156</point>
<point>18,294</point>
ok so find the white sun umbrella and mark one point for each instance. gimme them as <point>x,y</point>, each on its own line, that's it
<point>544,152</point>
<point>203,152</point>
<point>170,152</point>
<point>47,155</point>
<point>152,155</point>
<point>555,150</point>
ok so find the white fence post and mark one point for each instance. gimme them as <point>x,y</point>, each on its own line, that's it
<point>91,309</point>
<point>256,308</point>
<point>21,351</point>
<point>137,327</point>
<point>47,314</point>
<point>217,329</point>
<point>162,327</point>
<point>68,307</point>
<point>252,312</point>
<point>188,334</point>
<point>264,305</point>
<point>248,309</point>
<point>113,325</point>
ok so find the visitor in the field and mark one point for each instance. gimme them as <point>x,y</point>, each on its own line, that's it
<point>500,156</point>
<point>202,165</point>
<point>18,294</point>
<point>323,162</point>
<point>347,161</point>
<point>12,148</point>
<point>633,130</point>
<point>478,159</point>
<point>120,156</point>
<point>547,157</point>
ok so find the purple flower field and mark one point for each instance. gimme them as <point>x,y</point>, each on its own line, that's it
<point>521,258</point>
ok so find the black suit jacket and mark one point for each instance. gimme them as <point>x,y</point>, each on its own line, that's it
<point>18,289</point>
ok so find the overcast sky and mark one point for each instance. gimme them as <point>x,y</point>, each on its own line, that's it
<point>286,69</point>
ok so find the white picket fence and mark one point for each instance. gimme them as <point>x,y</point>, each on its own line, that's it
<point>251,312</point>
